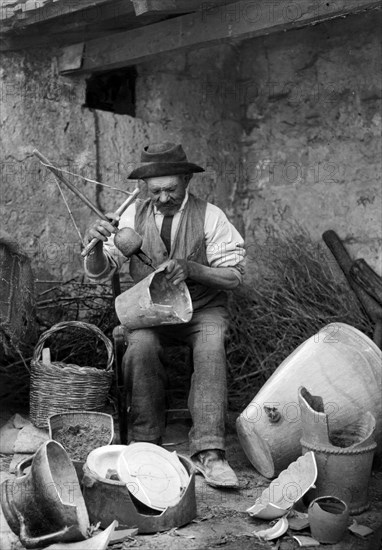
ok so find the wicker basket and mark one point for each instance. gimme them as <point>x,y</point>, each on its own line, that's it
<point>61,387</point>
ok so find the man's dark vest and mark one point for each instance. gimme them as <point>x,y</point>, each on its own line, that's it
<point>189,244</point>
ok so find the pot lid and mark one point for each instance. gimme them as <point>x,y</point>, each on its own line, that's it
<point>153,475</point>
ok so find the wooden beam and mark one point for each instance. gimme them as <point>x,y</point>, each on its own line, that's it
<point>163,6</point>
<point>65,39</point>
<point>31,12</point>
<point>76,26</point>
<point>240,20</point>
<point>171,7</point>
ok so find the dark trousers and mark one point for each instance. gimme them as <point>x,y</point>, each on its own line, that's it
<point>145,378</point>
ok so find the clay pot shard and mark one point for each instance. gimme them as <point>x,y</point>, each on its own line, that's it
<point>328,518</point>
<point>98,542</point>
<point>298,520</point>
<point>344,455</point>
<point>361,531</point>
<point>284,491</point>
<point>274,532</point>
<point>305,542</point>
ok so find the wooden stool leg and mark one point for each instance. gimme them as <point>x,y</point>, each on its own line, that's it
<point>119,350</point>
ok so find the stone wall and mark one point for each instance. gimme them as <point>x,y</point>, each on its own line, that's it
<point>288,128</point>
<point>311,102</point>
<point>43,110</point>
<point>38,109</point>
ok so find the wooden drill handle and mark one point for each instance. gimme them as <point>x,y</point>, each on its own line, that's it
<point>89,247</point>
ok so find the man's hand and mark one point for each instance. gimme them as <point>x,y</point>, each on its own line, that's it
<point>102,229</point>
<point>177,271</point>
<point>215,277</point>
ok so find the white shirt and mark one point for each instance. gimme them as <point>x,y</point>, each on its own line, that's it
<point>224,244</point>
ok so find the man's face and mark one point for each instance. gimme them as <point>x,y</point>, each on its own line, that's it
<point>167,192</point>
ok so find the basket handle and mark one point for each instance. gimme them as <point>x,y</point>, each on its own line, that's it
<point>75,324</point>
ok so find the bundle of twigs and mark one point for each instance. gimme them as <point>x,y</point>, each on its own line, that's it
<point>296,291</point>
<point>76,300</point>
<point>73,300</point>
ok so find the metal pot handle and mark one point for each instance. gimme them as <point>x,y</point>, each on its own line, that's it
<point>22,465</point>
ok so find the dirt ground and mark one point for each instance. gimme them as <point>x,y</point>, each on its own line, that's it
<point>222,521</point>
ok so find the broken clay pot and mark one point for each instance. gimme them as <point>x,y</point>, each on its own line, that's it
<point>65,420</point>
<point>328,518</point>
<point>154,301</point>
<point>45,505</point>
<point>344,457</point>
<point>109,498</point>
<point>339,362</point>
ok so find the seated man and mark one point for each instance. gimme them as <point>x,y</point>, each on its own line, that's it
<point>202,248</point>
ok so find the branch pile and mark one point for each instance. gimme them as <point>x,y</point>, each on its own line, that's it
<point>297,290</point>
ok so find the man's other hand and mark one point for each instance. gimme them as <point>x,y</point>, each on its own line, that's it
<point>102,229</point>
<point>177,271</point>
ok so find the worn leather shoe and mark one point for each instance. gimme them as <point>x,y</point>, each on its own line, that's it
<point>215,469</point>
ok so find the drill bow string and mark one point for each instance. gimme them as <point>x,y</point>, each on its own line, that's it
<point>62,170</point>
<point>58,173</point>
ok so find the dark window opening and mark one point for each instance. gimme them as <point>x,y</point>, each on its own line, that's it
<point>112,91</point>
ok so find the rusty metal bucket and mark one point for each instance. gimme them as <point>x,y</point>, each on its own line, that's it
<point>154,301</point>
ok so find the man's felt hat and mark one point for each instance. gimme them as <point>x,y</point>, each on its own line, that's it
<point>163,159</point>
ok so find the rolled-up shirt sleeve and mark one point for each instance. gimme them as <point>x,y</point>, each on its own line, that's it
<point>115,259</point>
<point>224,244</point>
